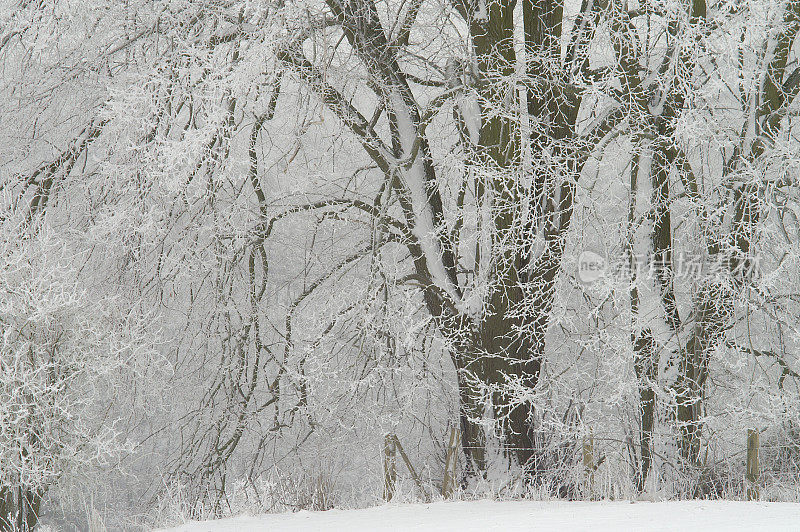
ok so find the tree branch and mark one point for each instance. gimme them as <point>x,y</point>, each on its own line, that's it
<point>343,109</point>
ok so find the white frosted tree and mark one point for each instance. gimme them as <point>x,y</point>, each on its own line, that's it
<point>356,218</point>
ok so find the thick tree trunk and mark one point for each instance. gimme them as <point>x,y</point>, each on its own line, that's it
<point>512,343</point>
<point>471,411</point>
<point>500,340</point>
<point>509,353</point>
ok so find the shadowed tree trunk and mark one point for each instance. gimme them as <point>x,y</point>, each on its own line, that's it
<point>655,108</point>
<point>498,348</point>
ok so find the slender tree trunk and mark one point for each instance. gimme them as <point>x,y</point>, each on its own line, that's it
<point>19,509</point>
<point>646,374</point>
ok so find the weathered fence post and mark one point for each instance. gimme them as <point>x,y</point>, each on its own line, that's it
<point>389,467</point>
<point>411,469</point>
<point>588,462</point>
<point>753,469</point>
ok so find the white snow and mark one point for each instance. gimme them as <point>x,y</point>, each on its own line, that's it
<point>526,515</point>
<point>423,226</point>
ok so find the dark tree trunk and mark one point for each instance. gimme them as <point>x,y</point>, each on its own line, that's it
<point>646,374</point>
<point>19,509</point>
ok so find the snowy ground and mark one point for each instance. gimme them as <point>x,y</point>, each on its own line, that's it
<point>527,515</point>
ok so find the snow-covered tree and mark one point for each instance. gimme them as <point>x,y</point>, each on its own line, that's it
<point>358,218</point>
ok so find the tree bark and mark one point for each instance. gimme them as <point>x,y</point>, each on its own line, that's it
<point>19,509</point>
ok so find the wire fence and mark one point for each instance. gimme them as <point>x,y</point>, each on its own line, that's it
<point>581,466</point>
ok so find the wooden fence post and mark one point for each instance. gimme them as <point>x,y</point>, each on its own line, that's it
<point>411,469</point>
<point>753,468</point>
<point>389,467</point>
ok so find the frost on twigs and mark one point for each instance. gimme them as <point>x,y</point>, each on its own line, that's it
<point>63,356</point>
